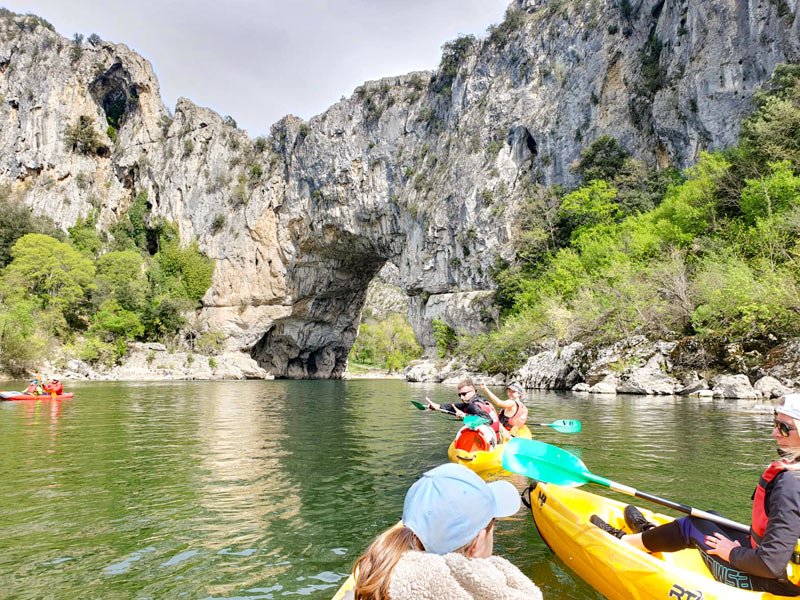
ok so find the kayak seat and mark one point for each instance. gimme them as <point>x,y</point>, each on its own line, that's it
<point>471,441</point>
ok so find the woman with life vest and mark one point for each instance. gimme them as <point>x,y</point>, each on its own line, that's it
<point>35,387</point>
<point>766,560</point>
<point>471,404</point>
<point>443,547</point>
<point>513,411</point>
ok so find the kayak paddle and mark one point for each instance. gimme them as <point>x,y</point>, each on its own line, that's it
<point>562,425</point>
<point>471,421</point>
<point>475,421</point>
<point>422,406</point>
<point>551,464</point>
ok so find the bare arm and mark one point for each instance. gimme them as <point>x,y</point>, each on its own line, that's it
<point>495,399</point>
<point>445,408</point>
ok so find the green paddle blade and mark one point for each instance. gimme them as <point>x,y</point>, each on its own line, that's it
<point>474,421</point>
<point>544,462</point>
<point>566,426</point>
<point>419,405</point>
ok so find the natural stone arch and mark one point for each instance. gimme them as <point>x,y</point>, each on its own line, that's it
<point>314,341</point>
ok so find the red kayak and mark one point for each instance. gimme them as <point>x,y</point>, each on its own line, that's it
<point>20,396</point>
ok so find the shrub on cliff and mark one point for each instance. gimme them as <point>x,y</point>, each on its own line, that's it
<point>81,137</point>
<point>716,256</point>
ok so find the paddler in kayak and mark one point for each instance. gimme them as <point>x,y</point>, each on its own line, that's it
<point>34,387</point>
<point>55,387</point>
<point>472,404</point>
<point>513,414</point>
<point>766,560</point>
<point>443,548</point>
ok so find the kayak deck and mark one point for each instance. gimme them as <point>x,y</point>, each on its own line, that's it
<point>613,567</point>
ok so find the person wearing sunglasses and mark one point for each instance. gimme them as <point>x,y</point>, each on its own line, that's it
<point>768,558</point>
<point>471,403</point>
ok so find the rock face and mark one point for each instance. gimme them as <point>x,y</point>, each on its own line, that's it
<point>556,369</point>
<point>425,172</point>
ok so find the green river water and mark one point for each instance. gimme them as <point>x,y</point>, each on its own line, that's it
<point>272,489</point>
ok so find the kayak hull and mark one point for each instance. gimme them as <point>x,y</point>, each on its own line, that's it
<point>39,397</point>
<point>483,460</point>
<point>346,592</point>
<point>613,567</point>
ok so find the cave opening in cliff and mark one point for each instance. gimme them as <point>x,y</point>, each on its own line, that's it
<point>524,148</point>
<point>114,104</point>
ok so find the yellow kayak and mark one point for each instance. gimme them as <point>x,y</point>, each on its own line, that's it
<point>463,451</point>
<point>346,591</point>
<point>614,568</point>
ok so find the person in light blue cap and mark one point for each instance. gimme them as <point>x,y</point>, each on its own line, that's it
<point>443,547</point>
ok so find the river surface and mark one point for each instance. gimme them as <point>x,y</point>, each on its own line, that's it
<point>271,489</point>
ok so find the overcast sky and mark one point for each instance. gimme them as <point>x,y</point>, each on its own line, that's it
<point>259,60</point>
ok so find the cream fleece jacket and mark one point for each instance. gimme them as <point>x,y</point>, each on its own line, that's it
<point>427,576</point>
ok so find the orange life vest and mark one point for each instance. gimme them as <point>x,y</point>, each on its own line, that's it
<point>519,418</point>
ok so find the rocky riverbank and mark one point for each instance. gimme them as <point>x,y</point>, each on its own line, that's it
<point>154,362</point>
<point>637,366</point>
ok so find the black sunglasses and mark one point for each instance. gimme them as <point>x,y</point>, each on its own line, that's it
<point>783,428</point>
<point>462,394</point>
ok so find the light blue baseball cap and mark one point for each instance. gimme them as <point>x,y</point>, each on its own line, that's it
<point>449,505</point>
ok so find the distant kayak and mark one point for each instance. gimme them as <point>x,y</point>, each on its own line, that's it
<point>22,396</point>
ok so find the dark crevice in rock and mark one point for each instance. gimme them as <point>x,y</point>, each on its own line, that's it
<point>524,148</point>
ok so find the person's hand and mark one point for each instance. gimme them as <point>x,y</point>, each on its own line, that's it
<point>721,546</point>
<point>483,387</point>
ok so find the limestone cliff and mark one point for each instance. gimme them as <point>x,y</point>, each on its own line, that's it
<point>424,171</point>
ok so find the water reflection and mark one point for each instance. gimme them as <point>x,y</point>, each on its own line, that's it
<point>269,489</point>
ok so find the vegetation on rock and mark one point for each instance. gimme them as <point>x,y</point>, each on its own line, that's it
<point>712,254</point>
<point>90,295</point>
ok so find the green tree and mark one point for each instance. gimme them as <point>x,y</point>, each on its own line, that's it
<point>19,347</point>
<point>602,159</point>
<point>16,220</point>
<point>120,277</point>
<point>388,343</point>
<point>52,272</point>
<point>770,195</point>
<point>588,206</point>
<point>445,336</point>
<point>112,323</point>
<point>84,237</point>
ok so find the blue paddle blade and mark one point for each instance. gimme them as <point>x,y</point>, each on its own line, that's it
<point>566,426</point>
<point>474,421</point>
<point>544,462</point>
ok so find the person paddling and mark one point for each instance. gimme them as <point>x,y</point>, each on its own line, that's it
<point>513,413</point>
<point>55,387</point>
<point>472,404</point>
<point>34,387</point>
<point>443,547</point>
<point>767,559</point>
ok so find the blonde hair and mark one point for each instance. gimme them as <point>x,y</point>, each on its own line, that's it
<point>373,570</point>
